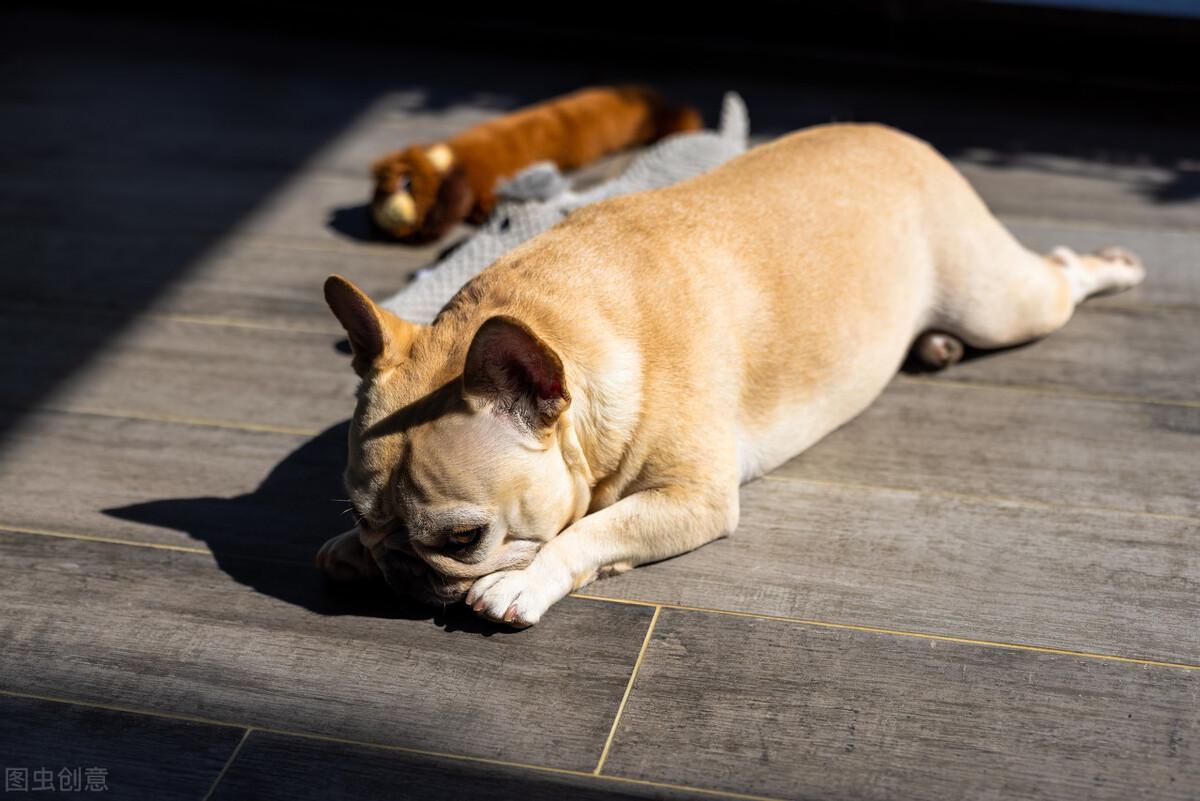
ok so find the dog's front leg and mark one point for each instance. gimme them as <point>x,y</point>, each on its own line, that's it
<point>643,527</point>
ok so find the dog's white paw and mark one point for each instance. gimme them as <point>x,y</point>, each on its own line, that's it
<point>1121,269</point>
<point>1111,269</point>
<point>516,597</point>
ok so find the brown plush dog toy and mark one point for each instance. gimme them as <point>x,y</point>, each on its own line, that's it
<point>424,190</point>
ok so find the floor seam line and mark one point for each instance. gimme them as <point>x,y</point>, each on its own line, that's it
<point>63,535</point>
<point>686,608</point>
<point>125,414</point>
<point>217,320</point>
<point>207,319</point>
<point>225,769</point>
<point>637,664</point>
<point>909,380</point>
<point>584,774</point>
<point>920,635</point>
<point>1036,389</point>
<point>1091,224</point>
<point>1032,503</point>
<point>900,378</point>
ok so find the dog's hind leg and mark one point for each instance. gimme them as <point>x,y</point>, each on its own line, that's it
<point>993,293</point>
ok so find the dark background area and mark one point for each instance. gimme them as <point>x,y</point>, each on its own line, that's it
<point>1046,46</point>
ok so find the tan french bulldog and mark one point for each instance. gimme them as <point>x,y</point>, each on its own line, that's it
<point>593,400</point>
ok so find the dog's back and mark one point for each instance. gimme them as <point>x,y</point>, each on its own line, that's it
<point>785,285</point>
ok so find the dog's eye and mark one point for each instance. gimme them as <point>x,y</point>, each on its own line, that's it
<point>463,538</point>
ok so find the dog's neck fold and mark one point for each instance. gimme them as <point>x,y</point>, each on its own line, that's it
<point>600,423</point>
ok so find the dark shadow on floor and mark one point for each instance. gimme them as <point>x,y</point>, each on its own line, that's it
<point>322,770</point>
<point>914,366</point>
<point>266,539</point>
<point>131,147</point>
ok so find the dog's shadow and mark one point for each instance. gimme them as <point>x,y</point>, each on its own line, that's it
<point>266,539</point>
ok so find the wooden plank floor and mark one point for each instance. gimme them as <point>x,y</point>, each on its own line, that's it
<point>987,586</point>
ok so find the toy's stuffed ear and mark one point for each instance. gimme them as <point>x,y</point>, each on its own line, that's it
<point>516,373</point>
<point>440,156</point>
<point>377,337</point>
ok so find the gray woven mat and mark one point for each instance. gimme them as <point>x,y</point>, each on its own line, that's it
<point>539,197</point>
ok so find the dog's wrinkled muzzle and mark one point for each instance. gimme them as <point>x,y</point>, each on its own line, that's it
<point>409,576</point>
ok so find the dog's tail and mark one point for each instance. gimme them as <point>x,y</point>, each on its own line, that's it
<point>735,119</point>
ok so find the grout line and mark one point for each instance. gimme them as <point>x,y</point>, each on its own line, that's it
<point>214,320</point>
<point>124,414</point>
<point>1086,224</point>
<point>129,710</point>
<point>41,532</point>
<point>897,632</point>
<point>1030,503</point>
<point>1137,305</point>
<point>385,746</point>
<point>309,432</point>
<point>658,606</point>
<point>637,664</point>
<point>237,750</point>
<point>217,320</point>
<point>1039,389</point>
<point>241,322</point>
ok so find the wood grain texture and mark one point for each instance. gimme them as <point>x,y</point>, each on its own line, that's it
<point>143,757</point>
<point>1133,352</point>
<point>237,492</point>
<point>272,646</point>
<point>254,490</point>
<point>1070,188</point>
<point>1018,444</point>
<point>268,281</point>
<point>179,369</point>
<point>214,204</point>
<point>272,766</point>
<point>1102,582</point>
<point>797,712</point>
<point>238,374</point>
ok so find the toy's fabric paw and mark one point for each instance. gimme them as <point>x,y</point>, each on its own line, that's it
<point>516,597</point>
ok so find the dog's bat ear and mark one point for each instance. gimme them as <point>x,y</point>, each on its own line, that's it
<point>516,373</point>
<point>377,337</point>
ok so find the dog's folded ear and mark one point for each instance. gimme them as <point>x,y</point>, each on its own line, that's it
<point>377,337</point>
<point>517,374</point>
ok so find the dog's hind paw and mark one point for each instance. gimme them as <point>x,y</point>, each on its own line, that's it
<point>935,350</point>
